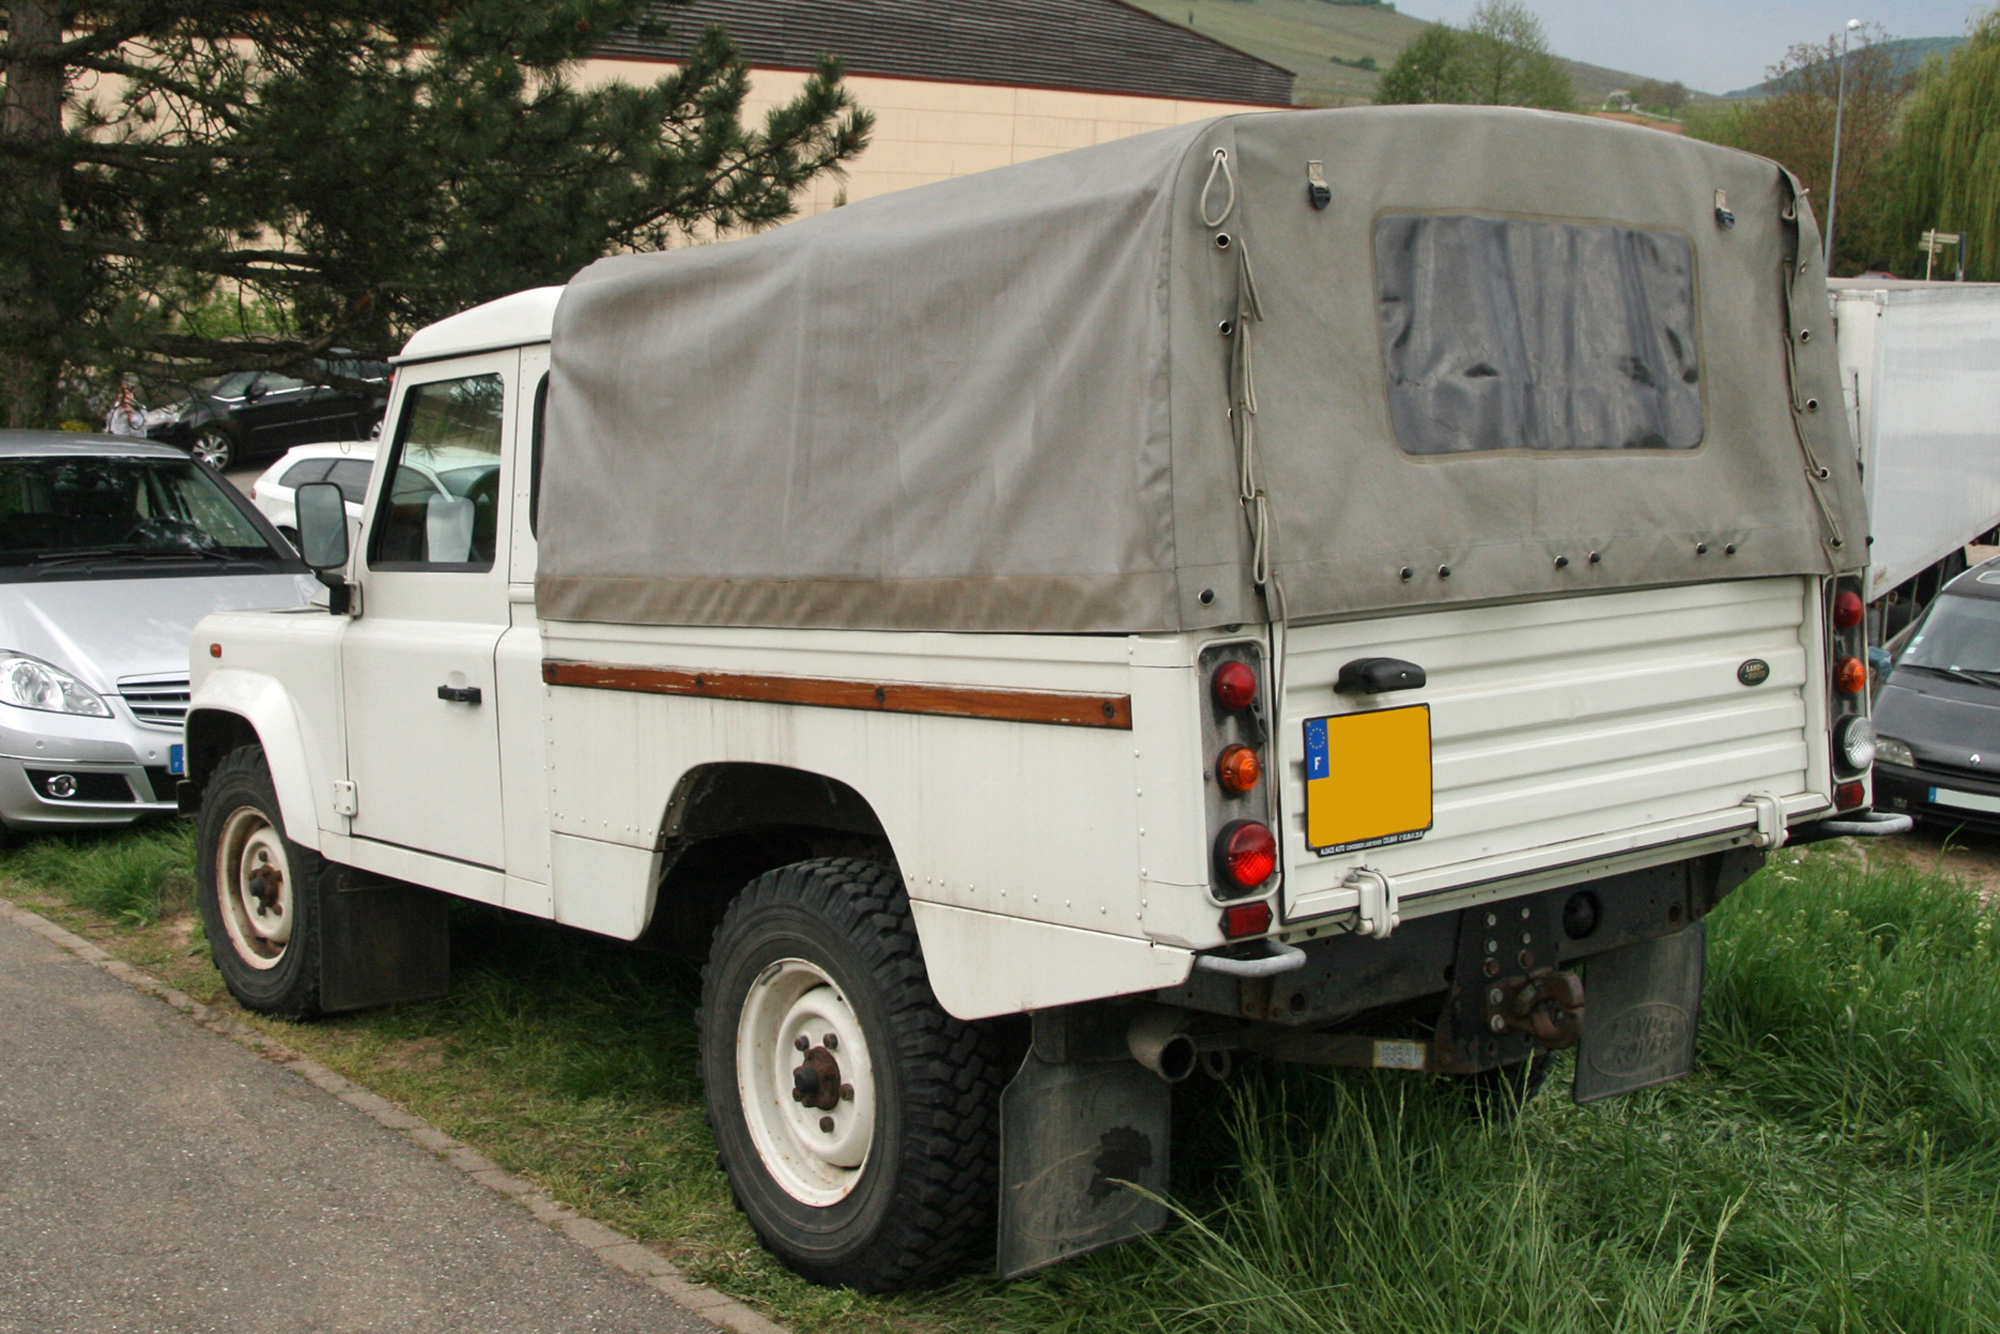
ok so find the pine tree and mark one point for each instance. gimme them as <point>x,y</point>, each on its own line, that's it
<point>361,168</point>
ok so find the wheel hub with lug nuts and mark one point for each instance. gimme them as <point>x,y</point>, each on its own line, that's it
<point>806,1082</point>
<point>255,895</point>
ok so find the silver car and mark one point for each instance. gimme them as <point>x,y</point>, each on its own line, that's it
<point>110,551</point>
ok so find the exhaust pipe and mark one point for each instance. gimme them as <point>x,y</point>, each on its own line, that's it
<point>1158,1041</point>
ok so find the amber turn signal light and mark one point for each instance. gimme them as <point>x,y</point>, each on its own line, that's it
<point>1235,685</point>
<point>1238,770</point>
<point>1850,676</point>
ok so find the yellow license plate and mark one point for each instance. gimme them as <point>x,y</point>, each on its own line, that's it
<point>1368,779</point>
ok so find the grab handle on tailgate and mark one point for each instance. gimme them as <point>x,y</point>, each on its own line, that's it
<point>1378,676</point>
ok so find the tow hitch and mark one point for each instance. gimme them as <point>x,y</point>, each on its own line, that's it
<point>1547,1006</point>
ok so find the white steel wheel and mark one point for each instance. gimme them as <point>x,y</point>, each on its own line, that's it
<point>806,1082</point>
<point>259,891</point>
<point>254,887</point>
<point>854,1116</point>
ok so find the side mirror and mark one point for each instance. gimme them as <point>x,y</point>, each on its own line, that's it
<point>322,518</point>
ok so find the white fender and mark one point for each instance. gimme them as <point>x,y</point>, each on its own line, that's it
<point>266,706</point>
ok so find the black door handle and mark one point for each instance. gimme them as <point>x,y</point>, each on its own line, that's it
<point>459,694</point>
<point>1377,676</point>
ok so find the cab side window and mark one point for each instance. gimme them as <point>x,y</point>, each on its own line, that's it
<point>441,504</point>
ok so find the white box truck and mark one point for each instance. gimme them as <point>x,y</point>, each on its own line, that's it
<point>1338,586</point>
<point>1920,375</point>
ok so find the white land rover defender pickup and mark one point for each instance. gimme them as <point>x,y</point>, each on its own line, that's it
<point>1338,586</point>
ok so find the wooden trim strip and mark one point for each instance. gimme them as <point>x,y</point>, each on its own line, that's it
<point>1059,707</point>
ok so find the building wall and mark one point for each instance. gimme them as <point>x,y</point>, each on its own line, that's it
<point>931,131</point>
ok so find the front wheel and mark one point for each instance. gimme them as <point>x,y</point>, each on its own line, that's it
<point>259,891</point>
<point>856,1119</point>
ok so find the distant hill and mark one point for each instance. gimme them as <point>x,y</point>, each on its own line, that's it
<point>1325,43</point>
<point>1909,53</point>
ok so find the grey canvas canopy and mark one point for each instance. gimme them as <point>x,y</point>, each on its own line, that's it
<point>1545,353</point>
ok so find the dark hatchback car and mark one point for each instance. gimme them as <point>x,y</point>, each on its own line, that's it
<point>256,414</point>
<point>1937,756</point>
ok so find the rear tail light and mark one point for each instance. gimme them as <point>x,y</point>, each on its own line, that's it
<point>1246,919</point>
<point>1847,609</point>
<point>1235,685</point>
<point>1238,769</point>
<point>1847,796</point>
<point>1850,676</point>
<point>1246,853</point>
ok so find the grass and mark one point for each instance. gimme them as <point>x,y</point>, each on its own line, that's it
<point>1834,1164</point>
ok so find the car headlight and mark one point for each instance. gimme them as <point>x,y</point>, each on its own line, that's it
<point>1888,750</point>
<point>30,683</point>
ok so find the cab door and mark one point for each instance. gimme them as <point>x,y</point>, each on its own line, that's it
<point>418,663</point>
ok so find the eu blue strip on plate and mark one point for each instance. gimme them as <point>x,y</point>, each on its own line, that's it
<point>177,759</point>
<point>1316,766</point>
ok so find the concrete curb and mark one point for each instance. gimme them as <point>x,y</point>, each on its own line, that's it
<point>608,1244</point>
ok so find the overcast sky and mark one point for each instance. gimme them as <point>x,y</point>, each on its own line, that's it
<point>1714,45</point>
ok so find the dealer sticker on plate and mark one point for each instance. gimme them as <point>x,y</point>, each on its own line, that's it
<point>1368,779</point>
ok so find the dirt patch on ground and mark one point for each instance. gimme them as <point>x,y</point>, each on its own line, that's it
<point>418,1055</point>
<point>1973,858</point>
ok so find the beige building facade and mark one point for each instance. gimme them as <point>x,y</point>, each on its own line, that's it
<point>929,130</point>
<point>957,88</point>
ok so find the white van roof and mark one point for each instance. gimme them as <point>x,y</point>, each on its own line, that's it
<point>512,321</point>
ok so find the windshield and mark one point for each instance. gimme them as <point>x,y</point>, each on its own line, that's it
<point>1960,634</point>
<point>105,515</point>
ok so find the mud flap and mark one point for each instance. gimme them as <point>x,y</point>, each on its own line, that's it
<point>380,941</point>
<point>1070,1134</point>
<point>1642,1006</point>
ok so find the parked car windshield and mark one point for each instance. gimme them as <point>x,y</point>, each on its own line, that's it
<point>106,517</point>
<point>1960,634</point>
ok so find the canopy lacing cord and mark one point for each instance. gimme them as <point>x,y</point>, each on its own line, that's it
<point>1795,267</point>
<point>1249,488</point>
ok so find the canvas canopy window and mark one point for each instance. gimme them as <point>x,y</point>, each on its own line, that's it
<point>1511,333</point>
<point>1036,399</point>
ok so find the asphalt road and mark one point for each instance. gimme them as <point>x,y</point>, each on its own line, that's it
<point>157,1177</point>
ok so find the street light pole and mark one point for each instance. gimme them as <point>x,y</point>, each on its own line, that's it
<point>1839,105</point>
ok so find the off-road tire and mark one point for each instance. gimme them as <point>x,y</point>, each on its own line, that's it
<point>240,796</point>
<point>925,1197</point>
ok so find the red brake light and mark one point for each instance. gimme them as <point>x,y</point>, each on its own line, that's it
<point>1849,795</point>
<point>1246,853</point>
<point>1850,677</point>
<point>1235,685</point>
<point>1847,609</point>
<point>1238,769</point>
<point>1246,919</point>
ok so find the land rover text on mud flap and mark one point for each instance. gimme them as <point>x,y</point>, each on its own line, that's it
<point>1045,633</point>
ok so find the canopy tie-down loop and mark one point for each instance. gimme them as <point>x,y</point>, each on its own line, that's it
<point>1218,165</point>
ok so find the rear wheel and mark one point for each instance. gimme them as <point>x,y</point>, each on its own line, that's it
<point>857,1120</point>
<point>215,447</point>
<point>259,891</point>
